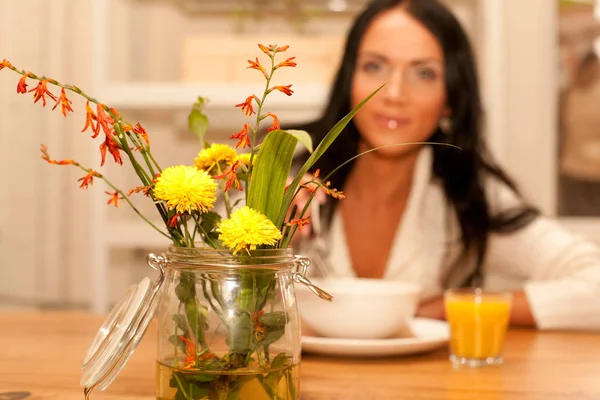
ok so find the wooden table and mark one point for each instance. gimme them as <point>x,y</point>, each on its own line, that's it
<point>41,353</point>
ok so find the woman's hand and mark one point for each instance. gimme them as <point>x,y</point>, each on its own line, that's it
<point>432,308</point>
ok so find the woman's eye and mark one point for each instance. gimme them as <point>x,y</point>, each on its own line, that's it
<point>427,74</point>
<point>372,66</point>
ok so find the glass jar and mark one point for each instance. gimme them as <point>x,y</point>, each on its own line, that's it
<point>228,326</point>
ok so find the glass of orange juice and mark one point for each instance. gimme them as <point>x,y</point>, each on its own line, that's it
<point>478,320</point>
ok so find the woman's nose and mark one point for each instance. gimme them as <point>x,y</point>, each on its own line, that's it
<point>395,88</point>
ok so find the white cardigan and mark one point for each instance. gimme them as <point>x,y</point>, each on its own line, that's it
<point>559,272</point>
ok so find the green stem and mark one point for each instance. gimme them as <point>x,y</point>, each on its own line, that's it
<point>142,150</point>
<point>153,160</point>
<point>227,203</point>
<point>181,388</point>
<point>186,232</point>
<point>206,237</point>
<point>212,305</point>
<point>258,119</point>
<point>175,347</point>
<point>214,287</point>
<point>139,170</point>
<point>291,387</point>
<point>196,225</point>
<point>225,194</point>
<point>126,198</point>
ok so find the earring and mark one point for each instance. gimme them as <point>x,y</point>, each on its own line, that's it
<point>446,125</point>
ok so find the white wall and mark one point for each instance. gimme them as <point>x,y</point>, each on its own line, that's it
<point>38,212</point>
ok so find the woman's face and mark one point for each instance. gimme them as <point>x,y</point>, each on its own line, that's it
<point>400,52</point>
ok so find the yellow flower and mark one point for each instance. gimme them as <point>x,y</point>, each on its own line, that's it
<point>246,229</point>
<point>244,158</point>
<point>217,155</point>
<point>186,189</point>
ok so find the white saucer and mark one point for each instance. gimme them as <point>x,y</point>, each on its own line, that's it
<point>429,334</point>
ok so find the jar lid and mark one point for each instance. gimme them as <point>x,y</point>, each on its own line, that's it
<point>122,331</point>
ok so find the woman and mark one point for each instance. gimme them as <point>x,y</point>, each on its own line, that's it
<point>432,214</point>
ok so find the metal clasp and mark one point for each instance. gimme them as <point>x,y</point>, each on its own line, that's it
<point>157,263</point>
<point>299,276</point>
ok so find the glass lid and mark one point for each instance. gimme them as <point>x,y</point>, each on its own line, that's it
<point>122,331</point>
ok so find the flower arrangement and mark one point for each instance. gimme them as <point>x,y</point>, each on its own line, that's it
<point>185,197</point>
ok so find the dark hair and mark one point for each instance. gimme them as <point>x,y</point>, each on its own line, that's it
<point>461,172</point>
<point>588,71</point>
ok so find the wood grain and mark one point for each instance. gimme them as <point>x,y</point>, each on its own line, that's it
<point>42,353</point>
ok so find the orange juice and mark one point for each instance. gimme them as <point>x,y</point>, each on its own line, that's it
<point>478,322</point>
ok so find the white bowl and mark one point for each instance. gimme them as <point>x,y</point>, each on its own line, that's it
<point>361,308</point>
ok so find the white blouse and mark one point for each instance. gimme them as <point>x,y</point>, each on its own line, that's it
<point>558,271</point>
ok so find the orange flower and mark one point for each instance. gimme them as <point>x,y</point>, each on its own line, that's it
<point>256,65</point>
<point>22,86</point>
<point>336,194</point>
<point>317,173</point>
<point>88,179</point>
<point>272,48</point>
<point>103,121</point>
<point>90,117</point>
<point>191,356</point>
<point>65,103</point>
<point>287,63</point>
<point>173,220</point>
<point>114,198</point>
<point>115,112</point>
<point>247,105</point>
<point>243,138</point>
<point>301,223</point>
<point>41,90</point>
<point>311,189</point>
<point>232,181</point>
<point>46,157</point>
<point>275,125</point>
<point>113,148</point>
<point>190,351</point>
<point>141,132</point>
<point>283,89</point>
<point>5,64</point>
<point>137,189</point>
<point>264,49</point>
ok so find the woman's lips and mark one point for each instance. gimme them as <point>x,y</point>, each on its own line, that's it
<point>391,122</point>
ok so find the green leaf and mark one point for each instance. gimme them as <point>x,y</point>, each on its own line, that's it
<point>319,151</point>
<point>186,288</point>
<point>180,322</point>
<point>279,361</point>
<point>271,337</point>
<point>196,317</point>
<point>198,121</point>
<point>176,341</point>
<point>303,137</point>
<point>240,334</point>
<point>213,240</point>
<point>273,321</point>
<point>272,379</point>
<point>210,220</point>
<point>198,392</point>
<point>269,174</point>
<point>190,386</point>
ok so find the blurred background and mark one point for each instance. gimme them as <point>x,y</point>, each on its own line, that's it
<point>62,247</point>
